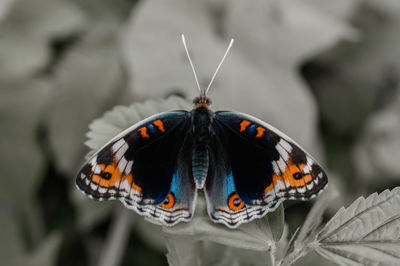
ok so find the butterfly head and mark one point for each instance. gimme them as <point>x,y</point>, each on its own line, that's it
<point>202,101</point>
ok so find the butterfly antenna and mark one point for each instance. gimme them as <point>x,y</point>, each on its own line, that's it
<point>190,61</point>
<point>220,64</point>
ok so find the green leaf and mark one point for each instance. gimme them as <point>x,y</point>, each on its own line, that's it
<point>365,233</point>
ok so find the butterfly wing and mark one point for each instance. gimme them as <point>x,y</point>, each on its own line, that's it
<point>147,168</point>
<point>259,167</point>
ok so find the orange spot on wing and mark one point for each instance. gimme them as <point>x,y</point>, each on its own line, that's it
<point>169,201</point>
<point>110,169</point>
<point>143,132</point>
<point>136,187</point>
<point>116,176</point>
<point>260,132</point>
<point>96,179</point>
<point>291,169</point>
<point>244,124</point>
<point>275,179</point>
<point>131,182</point>
<point>160,125</point>
<point>307,178</point>
<point>287,177</point>
<point>235,203</point>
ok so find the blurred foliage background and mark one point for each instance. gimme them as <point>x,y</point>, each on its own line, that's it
<point>324,72</point>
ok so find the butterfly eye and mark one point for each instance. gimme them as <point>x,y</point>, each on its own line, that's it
<point>169,202</point>
<point>234,202</point>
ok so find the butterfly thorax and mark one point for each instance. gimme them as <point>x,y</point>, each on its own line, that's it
<point>201,123</point>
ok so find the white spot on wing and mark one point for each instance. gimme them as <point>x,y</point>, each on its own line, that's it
<point>102,190</point>
<point>280,186</point>
<point>276,168</point>
<point>93,186</point>
<point>282,152</point>
<point>122,163</point>
<point>125,185</point>
<point>128,168</point>
<point>118,145</point>
<point>97,169</point>
<point>121,151</point>
<point>281,164</point>
<point>285,145</point>
<point>301,189</point>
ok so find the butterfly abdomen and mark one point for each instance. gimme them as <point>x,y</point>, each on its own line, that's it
<point>201,129</point>
<point>200,162</point>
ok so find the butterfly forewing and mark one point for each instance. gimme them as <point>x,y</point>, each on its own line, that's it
<point>146,167</point>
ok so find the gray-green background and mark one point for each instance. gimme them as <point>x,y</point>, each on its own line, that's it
<point>324,72</point>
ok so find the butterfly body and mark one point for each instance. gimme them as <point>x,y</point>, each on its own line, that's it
<point>201,128</point>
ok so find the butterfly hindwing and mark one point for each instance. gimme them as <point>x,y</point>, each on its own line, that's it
<point>263,167</point>
<point>147,168</point>
<point>223,202</point>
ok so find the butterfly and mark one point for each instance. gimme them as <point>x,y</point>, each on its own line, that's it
<point>245,166</point>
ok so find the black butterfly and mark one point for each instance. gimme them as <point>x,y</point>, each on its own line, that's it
<point>246,166</point>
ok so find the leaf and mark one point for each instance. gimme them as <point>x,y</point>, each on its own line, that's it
<point>365,233</point>
<point>5,6</point>
<point>302,241</point>
<point>100,11</point>
<point>378,149</point>
<point>343,9</point>
<point>295,28</point>
<point>87,81</point>
<point>13,251</point>
<point>22,55</point>
<point>21,110</point>
<point>183,250</point>
<point>45,18</point>
<point>276,221</point>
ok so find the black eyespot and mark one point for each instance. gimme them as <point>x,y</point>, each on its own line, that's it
<point>237,202</point>
<point>106,175</point>
<point>297,175</point>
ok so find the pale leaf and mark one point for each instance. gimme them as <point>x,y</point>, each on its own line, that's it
<point>365,233</point>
